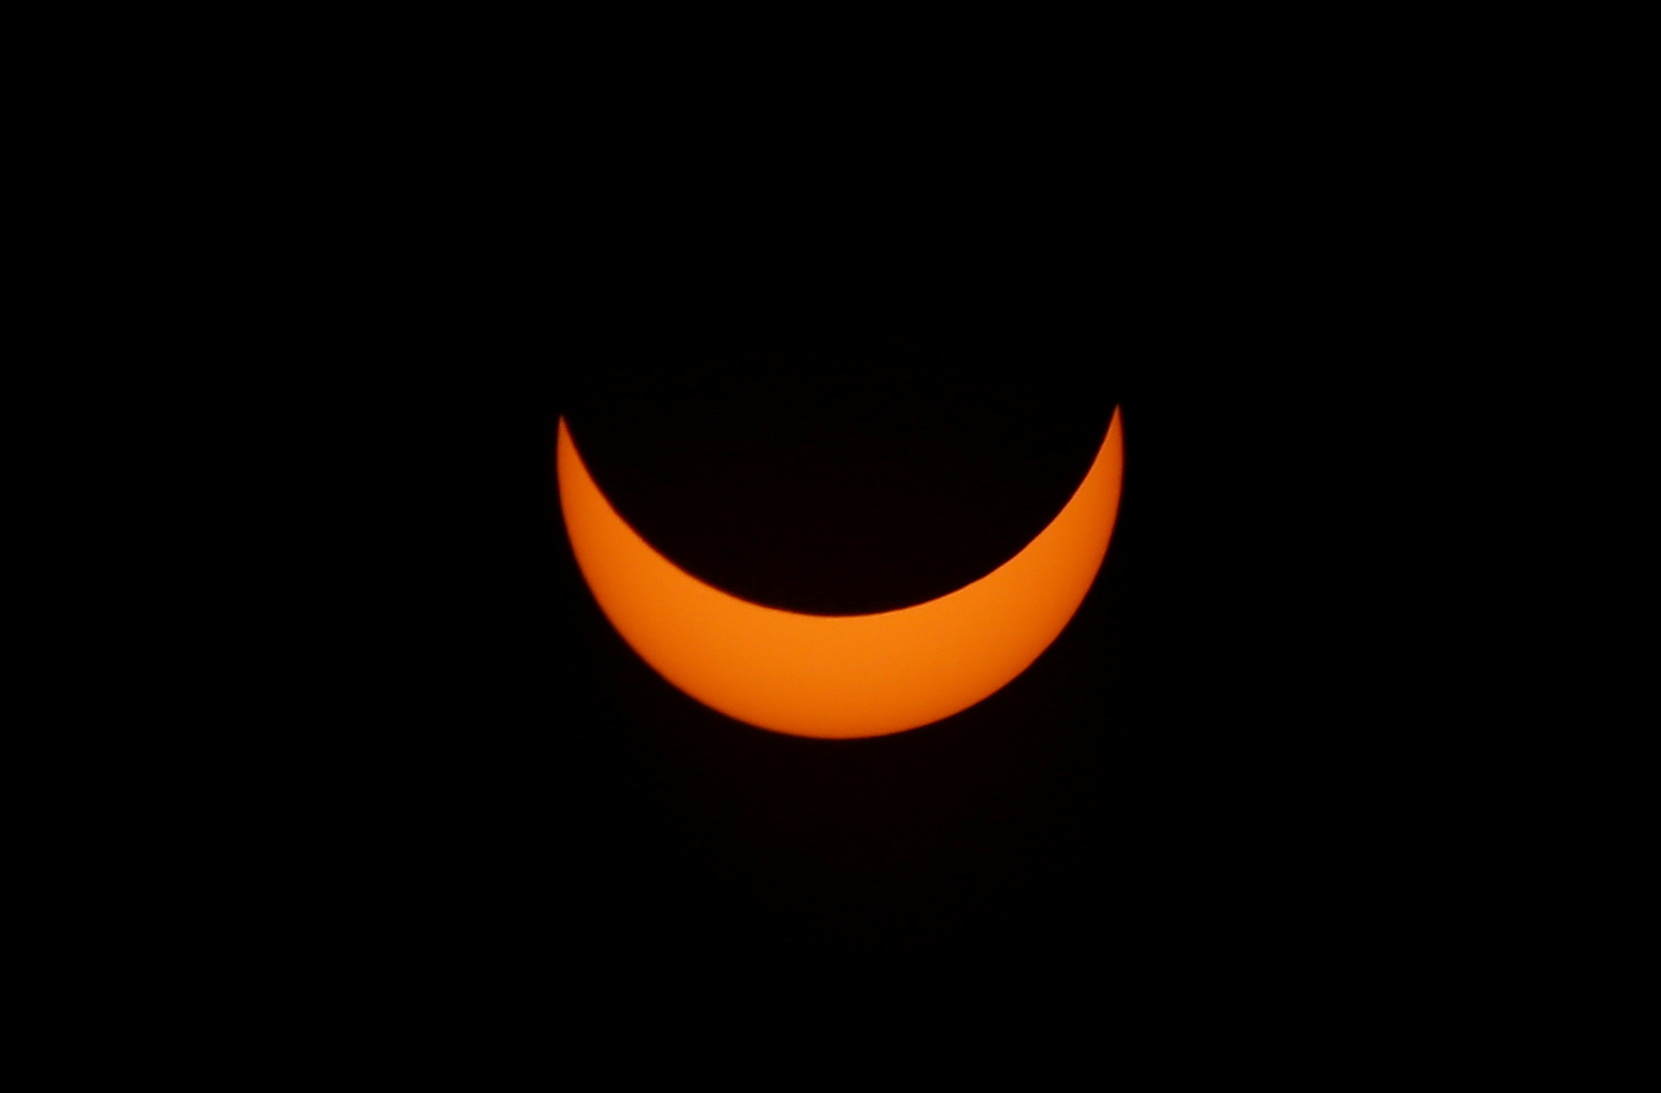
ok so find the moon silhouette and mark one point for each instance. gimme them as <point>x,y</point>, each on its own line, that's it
<point>841,676</point>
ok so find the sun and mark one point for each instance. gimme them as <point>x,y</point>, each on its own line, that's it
<point>842,676</point>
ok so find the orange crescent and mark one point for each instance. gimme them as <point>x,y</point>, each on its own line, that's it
<point>847,675</point>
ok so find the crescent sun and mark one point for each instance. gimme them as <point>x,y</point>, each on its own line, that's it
<point>841,676</point>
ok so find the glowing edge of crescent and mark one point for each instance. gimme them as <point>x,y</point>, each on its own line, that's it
<point>841,676</point>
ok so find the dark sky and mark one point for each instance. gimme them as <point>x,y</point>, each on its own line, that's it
<point>833,474</point>
<point>1179,776</point>
<point>844,377</point>
<point>868,436</point>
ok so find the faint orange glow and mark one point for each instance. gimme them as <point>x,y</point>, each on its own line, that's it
<point>841,676</point>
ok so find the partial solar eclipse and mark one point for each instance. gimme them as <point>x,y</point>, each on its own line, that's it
<point>841,676</point>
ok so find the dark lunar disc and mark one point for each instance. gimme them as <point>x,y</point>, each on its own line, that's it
<point>842,479</point>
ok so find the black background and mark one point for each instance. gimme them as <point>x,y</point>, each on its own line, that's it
<point>840,370</point>
<point>849,405</point>
<point>568,803</point>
